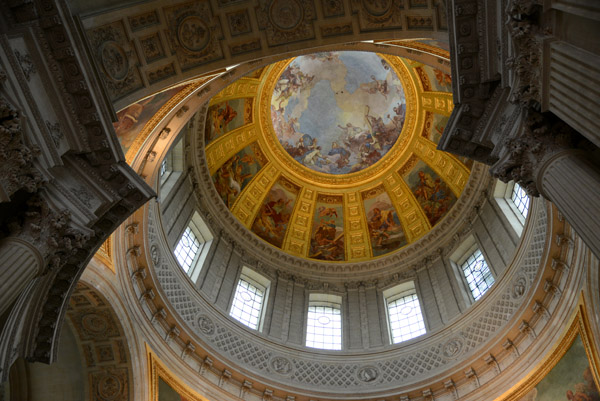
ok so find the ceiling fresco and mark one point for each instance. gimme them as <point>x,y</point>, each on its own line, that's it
<point>338,112</point>
<point>332,156</point>
<point>133,118</point>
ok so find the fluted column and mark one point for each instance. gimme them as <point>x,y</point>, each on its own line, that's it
<point>571,94</point>
<point>548,157</point>
<point>572,183</point>
<point>20,263</point>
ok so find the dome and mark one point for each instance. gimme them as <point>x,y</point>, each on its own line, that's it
<point>139,276</point>
<point>332,156</point>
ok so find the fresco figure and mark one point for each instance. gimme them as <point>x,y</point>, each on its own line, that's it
<point>437,127</point>
<point>227,116</point>
<point>222,117</point>
<point>327,239</point>
<point>233,176</point>
<point>443,80</point>
<point>385,230</point>
<point>133,118</point>
<point>290,81</point>
<point>571,379</point>
<point>338,112</point>
<point>375,86</point>
<point>272,219</point>
<point>433,194</point>
<point>439,80</point>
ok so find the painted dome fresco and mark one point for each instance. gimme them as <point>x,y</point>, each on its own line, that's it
<point>338,113</point>
<point>332,156</point>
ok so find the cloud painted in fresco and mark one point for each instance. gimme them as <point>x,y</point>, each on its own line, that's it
<point>338,112</point>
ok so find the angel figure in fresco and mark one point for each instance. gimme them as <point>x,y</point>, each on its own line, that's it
<point>380,223</point>
<point>433,195</point>
<point>350,131</point>
<point>369,153</point>
<point>327,211</point>
<point>128,119</point>
<point>343,154</point>
<point>577,396</point>
<point>312,157</point>
<point>272,219</point>
<point>275,210</point>
<point>291,80</point>
<point>221,117</point>
<point>400,113</point>
<point>329,57</point>
<point>442,78</point>
<point>327,244</point>
<point>230,178</point>
<point>426,186</point>
<point>376,86</point>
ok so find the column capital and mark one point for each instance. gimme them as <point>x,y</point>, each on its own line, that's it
<point>16,158</point>
<point>540,138</point>
<point>49,231</point>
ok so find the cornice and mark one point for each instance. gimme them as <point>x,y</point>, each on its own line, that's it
<point>451,349</point>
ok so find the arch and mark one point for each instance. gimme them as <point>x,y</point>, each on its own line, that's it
<point>140,50</point>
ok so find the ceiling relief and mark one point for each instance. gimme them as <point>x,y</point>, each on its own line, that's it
<point>338,112</point>
<point>332,156</point>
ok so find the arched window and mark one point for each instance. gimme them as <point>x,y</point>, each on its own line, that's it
<point>477,273</point>
<point>324,322</point>
<point>472,269</point>
<point>405,320</point>
<point>249,299</point>
<point>171,168</point>
<point>193,246</point>
<point>513,202</point>
<point>520,199</point>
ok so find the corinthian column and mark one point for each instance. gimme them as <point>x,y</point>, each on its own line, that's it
<point>572,182</point>
<point>549,158</point>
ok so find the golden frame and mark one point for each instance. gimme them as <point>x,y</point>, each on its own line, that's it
<point>579,325</point>
<point>157,369</point>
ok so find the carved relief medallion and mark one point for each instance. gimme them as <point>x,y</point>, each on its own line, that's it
<point>519,286</point>
<point>377,7</point>
<point>92,324</point>
<point>155,255</point>
<point>285,14</point>
<point>206,325</point>
<point>453,347</point>
<point>281,365</point>
<point>114,60</point>
<point>368,374</point>
<point>109,387</point>
<point>193,34</point>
